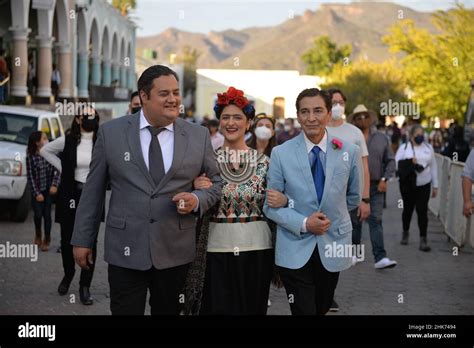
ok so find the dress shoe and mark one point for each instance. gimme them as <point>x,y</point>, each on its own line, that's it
<point>64,285</point>
<point>85,296</point>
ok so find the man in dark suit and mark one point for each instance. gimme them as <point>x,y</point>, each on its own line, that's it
<point>150,159</point>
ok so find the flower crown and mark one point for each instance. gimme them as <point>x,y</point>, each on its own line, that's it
<point>233,96</point>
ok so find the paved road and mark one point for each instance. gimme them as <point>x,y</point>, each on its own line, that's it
<point>427,283</point>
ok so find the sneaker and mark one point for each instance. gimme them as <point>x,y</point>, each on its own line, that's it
<point>334,307</point>
<point>385,263</point>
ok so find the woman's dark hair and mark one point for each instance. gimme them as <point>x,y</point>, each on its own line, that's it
<point>314,92</point>
<point>145,82</point>
<point>75,130</point>
<point>252,142</point>
<point>333,91</point>
<point>32,140</point>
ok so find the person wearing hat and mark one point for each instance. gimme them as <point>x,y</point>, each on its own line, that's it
<point>381,168</point>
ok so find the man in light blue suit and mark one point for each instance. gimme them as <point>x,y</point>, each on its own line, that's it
<point>319,175</point>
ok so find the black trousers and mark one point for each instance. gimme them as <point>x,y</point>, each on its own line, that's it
<point>310,289</point>
<point>69,265</point>
<point>42,211</point>
<point>416,198</point>
<point>67,255</point>
<point>129,287</point>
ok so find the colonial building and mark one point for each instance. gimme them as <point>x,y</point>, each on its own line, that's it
<point>88,41</point>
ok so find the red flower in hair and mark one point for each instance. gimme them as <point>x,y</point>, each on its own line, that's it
<point>232,93</point>
<point>241,102</point>
<point>222,99</point>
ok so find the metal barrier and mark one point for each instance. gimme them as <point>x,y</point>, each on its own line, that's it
<point>448,205</point>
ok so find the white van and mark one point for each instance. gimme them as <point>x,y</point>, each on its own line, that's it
<point>16,125</point>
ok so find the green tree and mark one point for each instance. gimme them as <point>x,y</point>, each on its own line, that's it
<point>188,57</point>
<point>437,67</point>
<point>367,83</point>
<point>124,6</point>
<point>324,56</point>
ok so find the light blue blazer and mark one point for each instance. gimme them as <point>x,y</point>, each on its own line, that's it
<point>290,173</point>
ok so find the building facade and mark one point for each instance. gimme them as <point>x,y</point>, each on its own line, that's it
<point>88,41</point>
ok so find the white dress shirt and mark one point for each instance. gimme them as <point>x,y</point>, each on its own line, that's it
<point>323,145</point>
<point>166,139</point>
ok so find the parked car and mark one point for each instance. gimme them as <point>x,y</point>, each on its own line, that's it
<point>16,125</point>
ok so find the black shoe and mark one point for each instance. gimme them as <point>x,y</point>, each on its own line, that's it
<point>85,296</point>
<point>424,244</point>
<point>334,307</point>
<point>404,238</point>
<point>64,285</point>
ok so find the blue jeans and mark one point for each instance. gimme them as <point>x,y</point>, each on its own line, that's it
<point>375,223</point>
<point>43,211</point>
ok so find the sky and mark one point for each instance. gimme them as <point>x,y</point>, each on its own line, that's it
<point>203,16</point>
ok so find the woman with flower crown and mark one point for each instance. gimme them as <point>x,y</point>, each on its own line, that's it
<point>239,259</point>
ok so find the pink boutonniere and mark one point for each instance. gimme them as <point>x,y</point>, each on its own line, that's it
<point>336,144</point>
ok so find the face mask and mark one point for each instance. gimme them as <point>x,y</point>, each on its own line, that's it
<point>263,133</point>
<point>419,139</point>
<point>89,124</point>
<point>337,111</point>
<point>287,128</point>
<point>136,109</point>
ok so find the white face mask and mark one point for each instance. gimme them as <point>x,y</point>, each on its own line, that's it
<point>287,128</point>
<point>337,111</point>
<point>263,133</point>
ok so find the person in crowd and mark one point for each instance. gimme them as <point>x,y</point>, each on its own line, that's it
<point>135,105</point>
<point>381,168</point>
<point>457,148</point>
<point>319,175</point>
<point>263,134</point>
<point>416,193</point>
<point>4,79</point>
<point>338,127</point>
<point>395,136</point>
<point>71,155</point>
<point>239,266</point>
<point>436,140</point>
<point>217,139</point>
<point>278,128</point>
<point>289,131</point>
<point>55,80</point>
<point>43,180</point>
<point>149,160</point>
<point>467,179</point>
